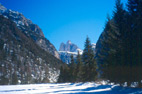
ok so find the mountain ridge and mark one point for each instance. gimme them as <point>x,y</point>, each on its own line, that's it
<point>29,29</point>
<point>22,61</point>
<point>26,57</point>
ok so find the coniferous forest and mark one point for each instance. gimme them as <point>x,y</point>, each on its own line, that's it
<point>118,54</point>
<point>81,70</point>
<point>119,48</point>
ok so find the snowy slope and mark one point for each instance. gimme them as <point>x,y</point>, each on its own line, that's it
<point>67,88</point>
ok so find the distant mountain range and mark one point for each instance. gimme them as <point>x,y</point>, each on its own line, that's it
<point>68,49</point>
<point>26,56</point>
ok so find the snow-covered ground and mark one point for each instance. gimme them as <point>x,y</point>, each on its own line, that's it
<point>67,88</point>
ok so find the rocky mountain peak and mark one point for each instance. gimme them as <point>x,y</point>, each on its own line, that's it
<point>69,42</point>
<point>68,47</point>
<point>21,21</point>
<point>29,29</point>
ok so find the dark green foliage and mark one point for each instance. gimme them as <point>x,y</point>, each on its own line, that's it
<point>119,49</point>
<point>4,80</point>
<point>68,73</point>
<point>64,74</point>
<point>1,44</point>
<point>72,72</point>
<point>79,69</point>
<point>14,79</point>
<point>61,76</point>
<point>83,70</point>
<point>89,62</point>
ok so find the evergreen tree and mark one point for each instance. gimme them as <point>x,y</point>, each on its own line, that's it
<point>113,45</point>
<point>107,54</point>
<point>135,13</point>
<point>79,68</point>
<point>72,67</point>
<point>89,62</point>
<point>14,78</point>
<point>61,76</point>
<point>120,46</point>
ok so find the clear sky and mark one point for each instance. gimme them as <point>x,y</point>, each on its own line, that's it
<point>62,20</point>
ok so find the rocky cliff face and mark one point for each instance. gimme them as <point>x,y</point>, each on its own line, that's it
<point>29,29</point>
<point>68,49</point>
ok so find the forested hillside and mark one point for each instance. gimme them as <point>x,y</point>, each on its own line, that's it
<point>119,48</point>
<point>22,61</point>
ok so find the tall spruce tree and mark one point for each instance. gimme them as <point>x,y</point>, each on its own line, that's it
<point>135,13</point>
<point>89,62</point>
<point>135,10</point>
<point>64,74</point>
<point>72,67</point>
<point>79,68</point>
<point>111,53</point>
<point>120,46</point>
<point>61,76</point>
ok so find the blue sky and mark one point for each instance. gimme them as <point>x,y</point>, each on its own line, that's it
<point>62,20</point>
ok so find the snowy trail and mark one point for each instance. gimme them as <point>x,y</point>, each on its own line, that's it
<point>67,88</point>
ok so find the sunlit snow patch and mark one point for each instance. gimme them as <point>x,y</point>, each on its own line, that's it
<point>67,88</point>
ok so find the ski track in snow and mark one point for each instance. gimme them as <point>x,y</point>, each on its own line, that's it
<point>67,88</point>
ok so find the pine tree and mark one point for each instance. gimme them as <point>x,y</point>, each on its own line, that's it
<point>72,67</point>
<point>112,53</point>
<point>61,76</point>
<point>120,23</point>
<point>135,13</point>
<point>108,51</point>
<point>65,75</point>
<point>120,46</point>
<point>89,62</point>
<point>14,78</point>
<point>79,68</point>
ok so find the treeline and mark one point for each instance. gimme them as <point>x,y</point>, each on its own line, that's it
<point>82,69</point>
<point>119,48</point>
